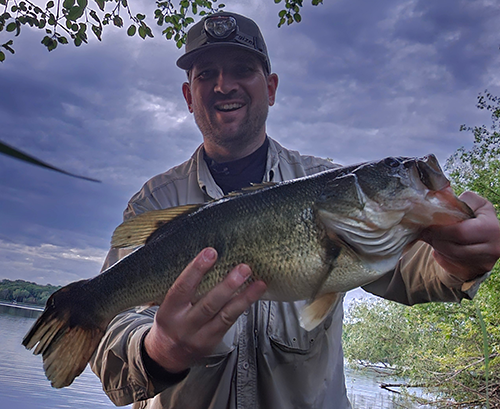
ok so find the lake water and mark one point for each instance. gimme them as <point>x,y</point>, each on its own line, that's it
<point>23,384</point>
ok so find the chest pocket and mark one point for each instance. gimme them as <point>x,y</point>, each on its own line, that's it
<point>284,333</point>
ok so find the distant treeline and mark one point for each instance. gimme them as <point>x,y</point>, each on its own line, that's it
<point>25,292</point>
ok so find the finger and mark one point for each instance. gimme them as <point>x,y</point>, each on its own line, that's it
<point>184,287</point>
<point>210,305</point>
<point>473,200</point>
<point>228,315</point>
<point>481,229</point>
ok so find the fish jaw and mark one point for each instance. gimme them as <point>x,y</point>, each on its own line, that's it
<point>435,203</point>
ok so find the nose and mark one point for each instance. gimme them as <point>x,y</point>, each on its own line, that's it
<point>225,83</point>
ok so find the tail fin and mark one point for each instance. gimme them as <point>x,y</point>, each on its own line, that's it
<point>66,334</point>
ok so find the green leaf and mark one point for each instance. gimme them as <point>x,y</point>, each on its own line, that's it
<point>142,32</point>
<point>50,4</point>
<point>140,17</point>
<point>124,3</point>
<point>2,56</point>
<point>131,30</point>
<point>75,13</point>
<point>282,13</point>
<point>100,3</point>
<point>277,1</point>
<point>297,17</point>
<point>82,3</point>
<point>8,48</point>
<point>11,27</point>
<point>94,15</point>
<point>50,43</point>
<point>3,3</point>
<point>118,21</point>
<point>62,40</point>
<point>97,31</point>
<point>67,4</point>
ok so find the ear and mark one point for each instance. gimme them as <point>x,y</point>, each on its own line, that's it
<point>186,91</point>
<point>272,86</point>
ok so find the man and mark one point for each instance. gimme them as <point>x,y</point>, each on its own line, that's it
<point>229,350</point>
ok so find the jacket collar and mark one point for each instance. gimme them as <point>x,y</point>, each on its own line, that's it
<point>206,181</point>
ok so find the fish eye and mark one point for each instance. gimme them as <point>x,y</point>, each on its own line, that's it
<point>392,162</point>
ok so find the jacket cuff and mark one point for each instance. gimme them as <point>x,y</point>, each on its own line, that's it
<point>469,288</point>
<point>155,371</point>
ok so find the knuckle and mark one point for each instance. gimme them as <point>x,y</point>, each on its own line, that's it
<point>226,319</point>
<point>207,309</point>
<point>181,287</point>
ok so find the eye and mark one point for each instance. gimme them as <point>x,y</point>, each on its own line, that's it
<point>205,74</point>
<point>392,162</point>
<point>243,70</point>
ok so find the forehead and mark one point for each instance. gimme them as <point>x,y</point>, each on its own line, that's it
<point>222,56</point>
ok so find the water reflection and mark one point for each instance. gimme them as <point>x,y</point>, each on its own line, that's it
<point>23,384</point>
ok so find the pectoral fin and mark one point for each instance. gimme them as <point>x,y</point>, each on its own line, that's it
<point>314,313</point>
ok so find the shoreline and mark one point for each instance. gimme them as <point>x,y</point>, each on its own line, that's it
<point>22,306</point>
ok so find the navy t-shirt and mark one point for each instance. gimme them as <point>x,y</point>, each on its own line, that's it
<point>240,173</point>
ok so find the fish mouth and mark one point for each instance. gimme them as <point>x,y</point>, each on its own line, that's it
<point>427,176</point>
<point>431,174</point>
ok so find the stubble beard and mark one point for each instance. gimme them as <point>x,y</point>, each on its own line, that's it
<point>246,133</point>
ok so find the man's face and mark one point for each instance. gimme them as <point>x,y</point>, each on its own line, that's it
<point>230,94</point>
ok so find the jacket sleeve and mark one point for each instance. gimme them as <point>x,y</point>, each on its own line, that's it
<point>118,361</point>
<point>418,278</point>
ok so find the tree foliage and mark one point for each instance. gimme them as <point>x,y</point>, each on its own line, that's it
<point>441,345</point>
<point>73,20</point>
<point>25,292</point>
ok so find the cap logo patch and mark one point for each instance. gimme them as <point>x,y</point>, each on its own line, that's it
<point>220,27</point>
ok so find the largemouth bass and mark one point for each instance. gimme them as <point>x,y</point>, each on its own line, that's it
<point>307,239</point>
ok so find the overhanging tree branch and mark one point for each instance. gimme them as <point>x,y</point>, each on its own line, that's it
<point>72,17</point>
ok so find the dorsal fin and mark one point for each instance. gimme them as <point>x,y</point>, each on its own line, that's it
<point>135,231</point>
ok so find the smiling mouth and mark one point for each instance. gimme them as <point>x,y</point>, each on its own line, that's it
<point>228,107</point>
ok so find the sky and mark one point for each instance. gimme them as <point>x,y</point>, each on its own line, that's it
<point>359,80</point>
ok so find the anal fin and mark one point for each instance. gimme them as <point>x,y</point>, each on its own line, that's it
<point>315,312</point>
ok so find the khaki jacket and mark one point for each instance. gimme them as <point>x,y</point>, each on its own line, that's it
<point>266,360</point>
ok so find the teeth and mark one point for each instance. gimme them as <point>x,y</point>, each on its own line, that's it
<point>229,107</point>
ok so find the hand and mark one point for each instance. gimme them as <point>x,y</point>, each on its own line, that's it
<point>470,248</point>
<point>184,332</point>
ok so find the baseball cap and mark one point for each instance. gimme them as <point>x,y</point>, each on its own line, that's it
<point>223,29</point>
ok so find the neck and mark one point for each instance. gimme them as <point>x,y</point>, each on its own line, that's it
<point>232,151</point>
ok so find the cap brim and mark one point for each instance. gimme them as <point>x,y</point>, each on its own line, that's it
<point>187,60</point>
